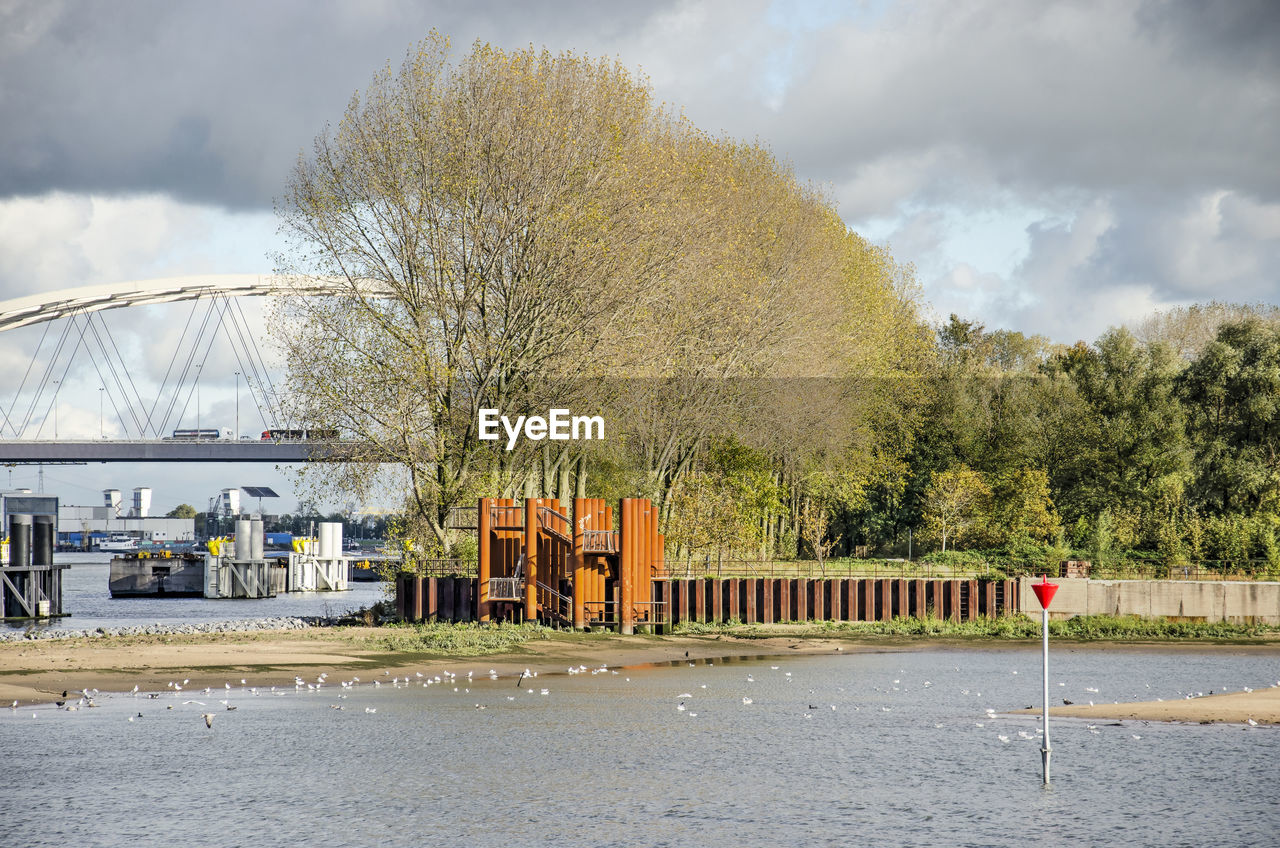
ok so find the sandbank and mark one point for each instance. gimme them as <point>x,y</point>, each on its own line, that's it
<point>39,671</point>
<point>1261,705</point>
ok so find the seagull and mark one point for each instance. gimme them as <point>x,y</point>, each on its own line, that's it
<point>208,720</point>
<point>747,701</point>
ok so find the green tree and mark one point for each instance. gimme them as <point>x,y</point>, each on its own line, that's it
<point>952,503</point>
<point>1232,396</point>
<point>182,511</point>
<point>1017,504</point>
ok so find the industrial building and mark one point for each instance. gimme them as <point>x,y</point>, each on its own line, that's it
<point>78,526</point>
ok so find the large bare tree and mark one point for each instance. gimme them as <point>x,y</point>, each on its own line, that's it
<point>523,230</point>
<point>489,218</point>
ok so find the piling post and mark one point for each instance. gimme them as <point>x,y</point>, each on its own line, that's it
<point>42,540</point>
<point>579,568</point>
<point>484,518</point>
<point>627,568</point>
<point>531,559</point>
<point>20,540</point>
<point>644,591</point>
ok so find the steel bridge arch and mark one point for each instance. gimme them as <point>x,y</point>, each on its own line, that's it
<point>52,305</point>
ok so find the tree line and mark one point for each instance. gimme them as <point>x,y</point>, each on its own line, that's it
<point>525,231</point>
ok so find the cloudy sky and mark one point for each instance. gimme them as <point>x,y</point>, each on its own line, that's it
<point>1052,168</point>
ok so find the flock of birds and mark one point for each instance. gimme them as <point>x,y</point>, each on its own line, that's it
<point>177,695</point>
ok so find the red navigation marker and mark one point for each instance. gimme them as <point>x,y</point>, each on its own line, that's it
<point>1044,591</point>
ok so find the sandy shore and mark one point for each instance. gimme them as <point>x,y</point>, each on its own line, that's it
<point>39,671</point>
<point>1261,705</point>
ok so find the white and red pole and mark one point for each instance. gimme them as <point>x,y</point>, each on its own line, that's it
<point>1044,593</point>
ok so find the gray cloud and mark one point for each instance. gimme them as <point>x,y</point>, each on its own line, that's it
<point>1161,117</point>
<point>212,102</point>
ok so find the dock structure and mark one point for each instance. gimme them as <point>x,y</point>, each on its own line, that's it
<point>143,575</point>
<point>30,582</point>
<point>236,570</point>
<point>246,573</point>
<point>320,565</point>
<point>537,562</point>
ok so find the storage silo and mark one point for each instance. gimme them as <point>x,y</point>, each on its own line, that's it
<point>141,502</point>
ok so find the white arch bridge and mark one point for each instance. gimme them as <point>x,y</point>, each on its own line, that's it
<point>146,421</point>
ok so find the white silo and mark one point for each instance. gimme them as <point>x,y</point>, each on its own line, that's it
<point>141,501</point>
<point>112,500</point>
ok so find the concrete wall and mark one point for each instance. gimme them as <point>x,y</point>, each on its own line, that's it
<point>154,529</point>
<point>1195,600</point>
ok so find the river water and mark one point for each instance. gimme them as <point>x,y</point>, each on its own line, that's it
<point>881,748</point>
<point>87,597</point>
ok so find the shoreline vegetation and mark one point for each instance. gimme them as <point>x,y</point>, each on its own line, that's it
<point>35,671</point>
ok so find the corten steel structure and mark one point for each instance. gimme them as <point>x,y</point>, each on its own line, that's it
<point>538,563</point>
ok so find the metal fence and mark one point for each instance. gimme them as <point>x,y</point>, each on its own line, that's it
<point>1127,570</point>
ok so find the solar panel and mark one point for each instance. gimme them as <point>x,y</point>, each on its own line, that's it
<point>259,491</point>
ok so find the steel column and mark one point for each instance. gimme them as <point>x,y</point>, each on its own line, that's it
<point>484,519</point>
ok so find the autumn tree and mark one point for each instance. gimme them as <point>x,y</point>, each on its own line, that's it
<point>521,230</point>
<point>486,223</point>
<point>951,503</point>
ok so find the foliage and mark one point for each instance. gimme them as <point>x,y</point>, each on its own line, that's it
<point>525,230</point>
<point>182,511</point>
<point>458,640</point>
<point>952,502</point>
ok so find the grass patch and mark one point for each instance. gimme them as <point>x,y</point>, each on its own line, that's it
<point>458,640</point>
<point>1086,628</point>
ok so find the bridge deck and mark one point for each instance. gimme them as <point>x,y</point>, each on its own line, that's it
<point>13,452</point>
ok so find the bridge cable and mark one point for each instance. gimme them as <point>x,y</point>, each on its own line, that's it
<point>195,384</point>
<point>137,395</point>
<point>115,375</point>
<point>240,360</point>
<point>8,415</point>
<point>114,407</point>
<point>44,378</point>
<point>269,391</point>
<point>65,370</point>
<point>256,362</point>
<point>262,374</point>
<point>172,359</point>
<point>186,371</point>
